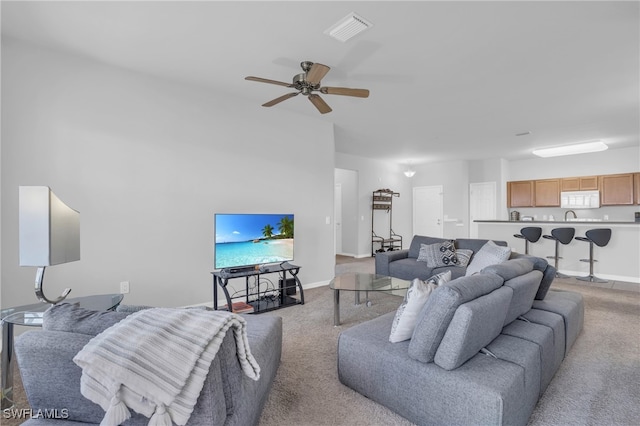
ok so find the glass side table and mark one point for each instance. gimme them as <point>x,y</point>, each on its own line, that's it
<point>31,316</point>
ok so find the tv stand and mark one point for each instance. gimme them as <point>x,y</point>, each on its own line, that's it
<point>260,300</point>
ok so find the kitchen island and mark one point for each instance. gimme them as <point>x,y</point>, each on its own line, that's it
<point>618,261</point>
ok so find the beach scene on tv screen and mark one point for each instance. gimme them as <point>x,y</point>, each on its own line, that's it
<point>252,239</point>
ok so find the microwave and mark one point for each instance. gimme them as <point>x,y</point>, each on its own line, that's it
<point>580,199</point>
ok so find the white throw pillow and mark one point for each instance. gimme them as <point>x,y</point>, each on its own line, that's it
<point>489,254</point>
<point>407,314</point>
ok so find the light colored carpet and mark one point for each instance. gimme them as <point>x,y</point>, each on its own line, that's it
<point>597,384</point>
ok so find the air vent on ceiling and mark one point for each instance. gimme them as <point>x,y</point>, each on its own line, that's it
<point>348,27</point>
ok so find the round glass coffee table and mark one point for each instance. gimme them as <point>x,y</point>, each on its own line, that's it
<point>358,282</point>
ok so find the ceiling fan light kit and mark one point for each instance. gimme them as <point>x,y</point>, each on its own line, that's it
<point>307,83</point>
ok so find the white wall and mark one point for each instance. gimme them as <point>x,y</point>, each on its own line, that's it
<point>374,175</point>
<point>147,162</point>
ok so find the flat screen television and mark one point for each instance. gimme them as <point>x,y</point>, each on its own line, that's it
<point>250,239</point>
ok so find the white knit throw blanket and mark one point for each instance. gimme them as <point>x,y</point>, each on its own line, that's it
<point>155,362</point>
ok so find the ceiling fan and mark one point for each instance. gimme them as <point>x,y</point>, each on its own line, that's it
<point>307,83</point>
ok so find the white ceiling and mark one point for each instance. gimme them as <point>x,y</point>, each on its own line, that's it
<point>448,80</point>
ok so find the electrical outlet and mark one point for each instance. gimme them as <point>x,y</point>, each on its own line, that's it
<point>124,287</point>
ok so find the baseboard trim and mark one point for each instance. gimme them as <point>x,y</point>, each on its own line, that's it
<point>576,274</point>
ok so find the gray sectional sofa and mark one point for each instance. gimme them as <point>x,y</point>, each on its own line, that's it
<point>483,351</point>
<point>52,380</point>
<point>404,264</point>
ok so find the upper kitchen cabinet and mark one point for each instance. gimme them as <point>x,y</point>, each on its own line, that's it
<point>520,193</point>
<point>547,193</point>
<point>617,190</point>
<point>582,183</point>
<point>636,185</point>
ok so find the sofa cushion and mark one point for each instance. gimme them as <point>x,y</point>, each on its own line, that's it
<point>549,274</point>
<point>542,336</point>
<point>524,290</point>
<point>438,254</point>
<point>414,248</point>
<point>456,271</point>
<point>409,268</point>
<point>568,304</point>
<point>74,319</point>
<point>510,269</point>
<point>407,314</point>
<point>475,244</point>
<point>540,264</point>
<point>474,325</point>
<point>489,254</point>
<point>437,313</point>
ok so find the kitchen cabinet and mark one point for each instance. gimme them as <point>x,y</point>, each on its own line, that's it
<point>636,186</point>
<point>520,193</point>
<point>547,193</point>
<point>617,190</point>
<point>581,183</point>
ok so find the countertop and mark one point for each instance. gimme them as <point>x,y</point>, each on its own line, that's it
<point>568,222</point>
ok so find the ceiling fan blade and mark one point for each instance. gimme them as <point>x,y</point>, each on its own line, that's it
<point>315,74</point>
<point>280,99</point>
<point>358,93</point>
<point>320,104</point>
<point>266,80</point>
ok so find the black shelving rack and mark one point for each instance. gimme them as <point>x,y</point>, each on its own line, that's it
<point>382,202</point>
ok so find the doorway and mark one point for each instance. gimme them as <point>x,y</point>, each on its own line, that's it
<point>345,212</point>
<point>428,211</point>
<point>337,217</point>
<point>482,204</point>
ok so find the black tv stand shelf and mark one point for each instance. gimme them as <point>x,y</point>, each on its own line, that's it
<point>265,300</point>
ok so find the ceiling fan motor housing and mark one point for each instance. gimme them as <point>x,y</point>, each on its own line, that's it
<point>300,83</point>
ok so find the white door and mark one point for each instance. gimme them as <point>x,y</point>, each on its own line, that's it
<point>482,204</point>
<point>337,217</point>
<point>428,211</point>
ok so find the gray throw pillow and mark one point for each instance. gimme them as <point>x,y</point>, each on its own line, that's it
<point>464,256</point>
<point>74,319</point>
<point>438,254</point>
<point>489,254</point>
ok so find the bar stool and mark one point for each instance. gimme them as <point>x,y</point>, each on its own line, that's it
<point>599,237</point>
<point>530,234</point>
<point>560,236</point>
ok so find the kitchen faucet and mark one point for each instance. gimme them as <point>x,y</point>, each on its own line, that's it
<point>570,211</point>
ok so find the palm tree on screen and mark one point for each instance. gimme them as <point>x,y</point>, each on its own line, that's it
<point>267,231</point>
<point>286,227</point>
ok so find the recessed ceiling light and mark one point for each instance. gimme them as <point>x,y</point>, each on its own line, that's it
<point>348,27</point>
<point>580,148</point>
